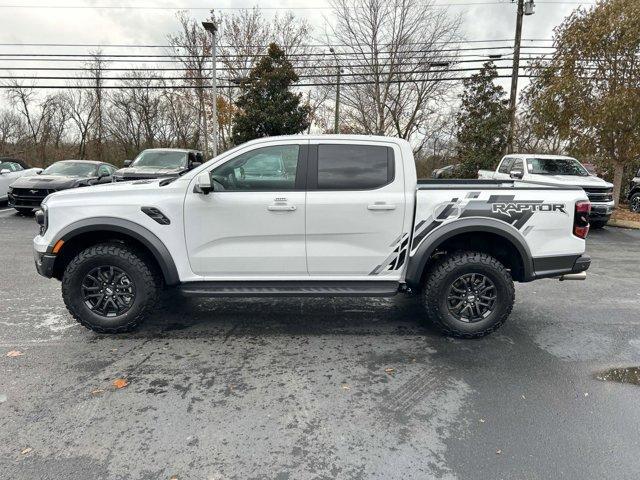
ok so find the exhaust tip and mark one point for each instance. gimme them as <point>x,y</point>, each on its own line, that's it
<point>574,276</point>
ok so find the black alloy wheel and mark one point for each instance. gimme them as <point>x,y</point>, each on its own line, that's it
<point>108,291</point>
<point>471,297</point>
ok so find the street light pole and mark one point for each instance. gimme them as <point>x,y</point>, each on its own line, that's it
<point>212,28</point>
<point>522,10</point>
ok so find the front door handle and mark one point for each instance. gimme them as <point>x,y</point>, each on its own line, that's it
<point>281,208</point>
<point>381,206</point>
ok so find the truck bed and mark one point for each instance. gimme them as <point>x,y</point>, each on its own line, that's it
<point>455,183</point>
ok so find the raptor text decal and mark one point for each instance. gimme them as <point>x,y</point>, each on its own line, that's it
<point>519,207</point>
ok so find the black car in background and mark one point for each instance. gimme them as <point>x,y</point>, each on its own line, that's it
<point>159,163</point>
<point>26,193</point>
<point>634,193</point>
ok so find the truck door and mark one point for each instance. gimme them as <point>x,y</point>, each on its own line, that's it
<point>355,210</point>
<point>251,227</point>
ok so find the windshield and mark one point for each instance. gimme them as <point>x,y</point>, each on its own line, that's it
<point>160,159</point>
<point>71,169</point>
<point>556,166</point>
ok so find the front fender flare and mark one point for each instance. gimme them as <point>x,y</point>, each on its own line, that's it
<point>126,227</point>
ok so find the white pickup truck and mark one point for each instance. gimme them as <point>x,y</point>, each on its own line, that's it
<point>557,170</point>
<point>318,216</point>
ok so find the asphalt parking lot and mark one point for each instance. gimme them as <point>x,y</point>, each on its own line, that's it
<point>322,389</point>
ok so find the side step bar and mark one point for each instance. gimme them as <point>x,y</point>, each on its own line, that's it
<point>290,289</point>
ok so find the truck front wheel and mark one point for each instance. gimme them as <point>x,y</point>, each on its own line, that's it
<point>109,288</point>
<point>468,294</point>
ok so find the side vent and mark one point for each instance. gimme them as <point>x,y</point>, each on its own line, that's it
<point>157,215</point>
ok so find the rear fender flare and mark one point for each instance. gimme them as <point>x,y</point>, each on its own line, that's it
<point>419,259</point>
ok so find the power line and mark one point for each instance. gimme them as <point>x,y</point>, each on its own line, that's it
<point>137,7</point>
<point>351,74</point>
<point>300,85</point>
<point>303,67</point>
<point>143,58</point>
<point>99,45</point>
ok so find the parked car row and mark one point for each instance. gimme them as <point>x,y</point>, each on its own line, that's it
<point>25,188</point>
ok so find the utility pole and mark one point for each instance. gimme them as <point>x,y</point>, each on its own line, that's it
<point>525,7</point>
<point>336,119</point>
<point>212,28</point>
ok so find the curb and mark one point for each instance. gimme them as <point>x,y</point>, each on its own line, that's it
<point>624,224</point>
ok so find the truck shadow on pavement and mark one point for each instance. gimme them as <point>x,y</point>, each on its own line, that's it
<point>191,317</point>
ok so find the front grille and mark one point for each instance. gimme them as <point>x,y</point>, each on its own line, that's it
<point>28,197</point>
<point>599,194</point>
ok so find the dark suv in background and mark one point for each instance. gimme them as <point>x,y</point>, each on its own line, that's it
<point>634,193</point>
<point>159,163</point>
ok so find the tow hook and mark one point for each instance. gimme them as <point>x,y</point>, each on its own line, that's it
<point>574,276</point>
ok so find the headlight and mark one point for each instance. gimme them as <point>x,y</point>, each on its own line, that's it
<point>10,190</point>
<point>42,218</point>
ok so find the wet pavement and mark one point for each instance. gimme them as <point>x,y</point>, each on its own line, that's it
<point>322,389</point>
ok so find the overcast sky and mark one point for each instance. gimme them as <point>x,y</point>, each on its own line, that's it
<point>151,26</point>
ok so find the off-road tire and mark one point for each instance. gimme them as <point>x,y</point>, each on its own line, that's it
<point>147,282</point>
<point>598,224</point>
<point>442,275</point>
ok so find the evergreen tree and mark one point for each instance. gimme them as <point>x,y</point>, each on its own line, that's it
<point>266,106</point>
<point>483,122</point>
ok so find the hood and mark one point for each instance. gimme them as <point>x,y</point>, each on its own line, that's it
<point>570,180</point>
<point>50,182</point>
<point>148,172</point>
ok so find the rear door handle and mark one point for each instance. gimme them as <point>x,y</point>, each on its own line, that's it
<point>381,206</point>
<point>281,208</point>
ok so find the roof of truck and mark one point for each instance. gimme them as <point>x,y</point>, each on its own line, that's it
<point>185,150</point>
<point>537,155</point>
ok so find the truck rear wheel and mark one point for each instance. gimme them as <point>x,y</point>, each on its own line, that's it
<point>109,288</point>
<point>468,294</point>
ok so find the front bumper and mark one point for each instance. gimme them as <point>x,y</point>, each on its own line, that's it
<point>44,263</point>
<point>44,260</point>
<point>601,211</point>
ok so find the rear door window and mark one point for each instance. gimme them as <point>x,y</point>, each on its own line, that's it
<point>354,167</point>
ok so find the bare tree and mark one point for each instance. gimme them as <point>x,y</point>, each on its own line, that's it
<point>193,47</point>
<point>37,115</point>
<point>394,55</point>
<point>11,130</point>
<point>81,107</point>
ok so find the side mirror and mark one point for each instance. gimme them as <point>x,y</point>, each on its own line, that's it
<point>4,171</point>
<point>517,174</point>
<point>39,172</point>
<point>203,184</point>
<point>127,163</point>
<point>195,164</point>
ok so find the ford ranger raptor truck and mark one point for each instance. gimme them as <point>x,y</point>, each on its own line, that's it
<point>310,216</point>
